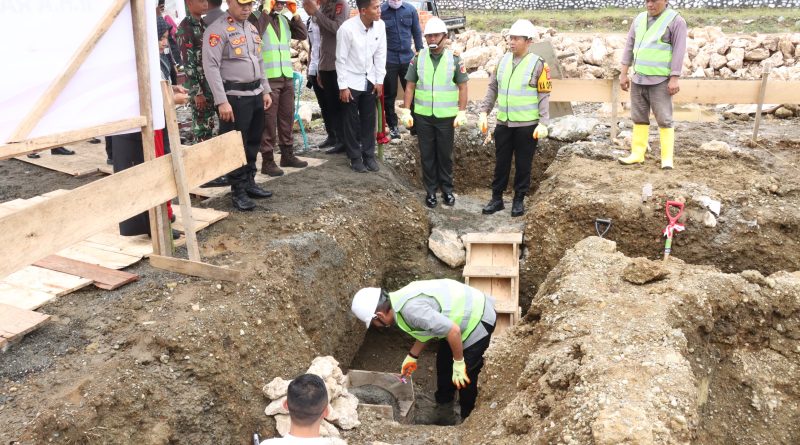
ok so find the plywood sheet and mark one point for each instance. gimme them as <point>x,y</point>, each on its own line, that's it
<point>103,277</point>
<point>16,322</point>
<point>23,298</point>
<point>480,255</point>
<point>88,159</point>
<point>46,280</point>
<point>261,178</point>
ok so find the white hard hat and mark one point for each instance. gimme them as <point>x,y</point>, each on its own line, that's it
<point>523,28</point>
<point>365,302</point>
<point>435,25</point>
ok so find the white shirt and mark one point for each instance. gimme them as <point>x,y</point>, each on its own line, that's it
<point>291,440</point>
<point>360,54</point>
<point>315,40</point>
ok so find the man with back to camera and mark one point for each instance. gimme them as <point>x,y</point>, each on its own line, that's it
<point>361,68</point>
<point>235,72</point>
<point>307,403</point>
<point>655,47</point>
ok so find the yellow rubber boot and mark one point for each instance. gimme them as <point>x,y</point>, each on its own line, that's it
<point>667,146</point>
<point>638,145</point>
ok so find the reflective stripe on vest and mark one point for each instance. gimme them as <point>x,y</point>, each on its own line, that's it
<point>517,100</point>
<point>462,304</point>
<point>435,93</point>
<point>651,56</point>
<point>276,54</point>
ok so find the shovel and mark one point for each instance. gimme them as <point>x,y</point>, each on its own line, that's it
<point>673,226</point>
<point>599,223</point>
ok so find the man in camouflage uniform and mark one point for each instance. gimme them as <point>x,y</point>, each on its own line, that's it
<point>190,40</point>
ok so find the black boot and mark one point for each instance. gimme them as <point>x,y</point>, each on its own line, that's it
<point>495,205</point>
<point>61,151</point>
<point>518,206</point>
<point>253,190</point>
<point>330,141</point>
<point>240,199</point>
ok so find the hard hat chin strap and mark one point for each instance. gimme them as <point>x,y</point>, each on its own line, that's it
<point>436,45</point>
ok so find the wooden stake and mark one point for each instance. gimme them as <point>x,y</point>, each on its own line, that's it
<point>56,140</point>
<point>195,268</point>
<point>178,170</point>
<point>160,231</point>
<point>54,90</point>
<point>761,93</point>
<point>614,106</point>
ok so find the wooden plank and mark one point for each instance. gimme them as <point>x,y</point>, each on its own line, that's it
<point>65,220</point>
<point>15,322</point>
<point>195,269</point>
<point>46,280</point>
<point>103,277</point>
<point>493,238</point>
<point>180,176</point>
<point>490,271</point>
<point>23,298</point>
<point>503,323</point>
<point>52,92</point>
<point>88,159</point>
<point>481,255</point>
<point>761,93</point>
<point>100,255</point>
<point>503,255</point>
<point>15,149</point>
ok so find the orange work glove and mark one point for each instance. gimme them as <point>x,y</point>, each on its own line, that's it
<point>409,366</point>
<point>291,5</point>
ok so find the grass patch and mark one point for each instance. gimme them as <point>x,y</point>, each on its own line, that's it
<point>761,20</point>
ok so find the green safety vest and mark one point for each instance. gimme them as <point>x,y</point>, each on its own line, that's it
<point>276,54</point>
<point>651,56</point>
<point>462,304</point>
<point>517,100</point>
<point>436,94</point>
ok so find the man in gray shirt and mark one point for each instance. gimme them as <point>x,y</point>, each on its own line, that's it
<point>655,47</point>
<point>445,309</point>
<point>214,12</point>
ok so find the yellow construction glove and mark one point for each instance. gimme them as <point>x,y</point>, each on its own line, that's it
<point>461,119</point>
<point>460,378</point>
<point>483,123</point>
<point>409,366</point>
<point>406,118</point>
<point>540,132</point>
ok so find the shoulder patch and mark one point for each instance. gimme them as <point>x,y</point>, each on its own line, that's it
<point>230,28</point>
<point>230,19</point>
<point>213,40</point>
<point>544,85</point>
<point>339,7</point>
<point>461,67</point>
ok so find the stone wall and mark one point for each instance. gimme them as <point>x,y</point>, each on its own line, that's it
<point>592,4</point>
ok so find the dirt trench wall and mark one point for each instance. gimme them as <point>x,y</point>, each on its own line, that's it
<point>699,357</point>
<point>177,360</point>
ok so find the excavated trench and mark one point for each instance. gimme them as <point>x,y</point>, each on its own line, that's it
<point>176,360</point>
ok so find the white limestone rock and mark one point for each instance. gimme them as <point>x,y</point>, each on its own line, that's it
<point>276,388</point>
<point>572,128</point>
<point>276,407</point>
<point>346,408</point>
<point>447,246</point>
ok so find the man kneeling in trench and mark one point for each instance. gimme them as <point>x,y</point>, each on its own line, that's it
<point>437,309</point>
<point>307,403</point>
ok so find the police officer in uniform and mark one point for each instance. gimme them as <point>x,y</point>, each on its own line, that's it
<point>235,72</point>
<point>521,86</point>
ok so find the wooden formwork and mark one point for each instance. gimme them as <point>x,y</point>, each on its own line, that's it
<point>492,266</point>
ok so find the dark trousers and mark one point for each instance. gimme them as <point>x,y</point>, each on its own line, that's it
<point>330,90</point>
<point>516,142</point>
<point>393,72</point>
<point>128,152</point>
<point>473,357</point>
<point>280,116</point>
<point>248,113</point>
<point>359,130</point>
<point>109,152</point>
<point>435,137</point>
<point>323,105</point>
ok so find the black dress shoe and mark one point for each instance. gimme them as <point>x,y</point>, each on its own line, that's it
<point>94,141</point>
<point>34,156</point>
<point>518,207</point>
<point>449,199</point>
<point>358,166</point>
<point>257,192</point>
<point>394,133</point>
<point>336,149</point>
<point>176,234</point>
<point>328,142</point>
<point>222,181</point>
<point>430,201</point>
<point>61,151</point>
<point>372,164</point>
<point>495,205</point>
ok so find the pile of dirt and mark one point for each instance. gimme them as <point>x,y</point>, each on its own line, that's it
<point>701,356</point>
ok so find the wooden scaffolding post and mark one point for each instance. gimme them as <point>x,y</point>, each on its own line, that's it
<point>614,106</point>
<point>160,230</point>
<point>761,93</point>
<point>180,176</point>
